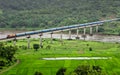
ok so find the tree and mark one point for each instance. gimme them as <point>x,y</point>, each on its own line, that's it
<point>7,55</point>
<point>38,73</point>
<point>88,70</point>
<point>9,52</point>
<point>61,71</point>
<point>36,46</point>
<point>90,49</point>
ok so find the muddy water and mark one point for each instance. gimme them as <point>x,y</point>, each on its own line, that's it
<point>103,38</point>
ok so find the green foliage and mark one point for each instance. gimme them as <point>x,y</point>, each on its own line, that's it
<point>55,39</point>
<point>38,73</point>
<point>1,44</point>
<point>53,13</point>
<point>23,47</point>
<point>36,46</point>
<point>31,61</point>
<point>48,47</point>
<point>88,70</point>
<point>90,49</point>
<point>6,54</point>
<point>61,71</point>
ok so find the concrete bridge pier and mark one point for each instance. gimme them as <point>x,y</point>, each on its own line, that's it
<point>91,32</point>
<point>41,40</point>
<point>14,41</point>
<point>84,33</point>
<point>77,37</point>
<point>69,35</point>
<point>51,37</point>
<point>97,28</point>
<point>61,33</point>
<point>28,39</point>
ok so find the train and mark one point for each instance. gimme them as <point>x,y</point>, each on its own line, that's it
<point>11,35</point>
<point>58,28</point>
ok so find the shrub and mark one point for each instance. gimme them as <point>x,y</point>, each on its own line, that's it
<point>48,47</point>
<point>2,63</point>
<point>36,46</point>
<point>61,71</point>
<point>7,55</point>
<point>55,39</point>
<point>88,70</point>
<point>1,44</point>
<point>87,44</point>
<point>38,73</point>
<point>9,41</point>
<point>97,68</point>
<point>23,47</point>
<point>90,49</point>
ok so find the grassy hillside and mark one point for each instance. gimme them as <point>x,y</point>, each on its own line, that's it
<point>31,60</point>
<point>22,14</point>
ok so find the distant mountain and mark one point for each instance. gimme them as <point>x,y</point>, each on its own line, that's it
<point>52,13</point>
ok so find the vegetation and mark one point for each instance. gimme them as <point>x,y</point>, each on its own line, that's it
<point>36,46</point>
<point>90,49</point>
<point>32,61</point>
<point>43,14</point>
<point>38,73</point>
<point>61,71</point>
<point>6,55</point>
<point>88,70</point>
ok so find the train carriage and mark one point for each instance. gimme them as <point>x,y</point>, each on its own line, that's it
<point>20,34</point>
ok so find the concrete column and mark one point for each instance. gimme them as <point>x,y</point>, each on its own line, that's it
<point>91,31</point>
<point>84,34</point>
<point>70,34</point>
<point>14,41</point>
<point>51,37</point>
<point>77,37</point>
<point>41,40</point>
<point>77,32</point>
<point>61,35</point>
<point>97,28</point>
<point>28,38</point>
<point>84,31</point>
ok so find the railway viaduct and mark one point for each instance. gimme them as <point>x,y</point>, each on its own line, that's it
<point>61,29</point>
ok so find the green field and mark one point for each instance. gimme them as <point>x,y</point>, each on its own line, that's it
<point>31,60</point>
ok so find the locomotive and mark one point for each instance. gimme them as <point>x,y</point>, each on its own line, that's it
<point>11,35</point>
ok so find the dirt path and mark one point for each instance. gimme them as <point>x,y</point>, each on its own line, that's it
<point>5,70</point>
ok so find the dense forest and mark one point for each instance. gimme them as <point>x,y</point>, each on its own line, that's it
<point>53,13</point>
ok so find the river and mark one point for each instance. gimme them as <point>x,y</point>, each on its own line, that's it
<point>102,38</point>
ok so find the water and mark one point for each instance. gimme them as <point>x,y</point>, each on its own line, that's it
<point>102,38</point>
<point>77,58</point>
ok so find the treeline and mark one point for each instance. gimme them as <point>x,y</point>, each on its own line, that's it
<point>80,70</point>
<point>53,13</point>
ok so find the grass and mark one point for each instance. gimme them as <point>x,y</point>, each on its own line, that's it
<point>30,60</point>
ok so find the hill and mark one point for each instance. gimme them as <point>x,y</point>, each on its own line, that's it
<point>52,13</point>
